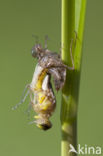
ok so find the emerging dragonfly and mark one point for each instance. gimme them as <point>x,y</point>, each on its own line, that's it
<point>42,97</point>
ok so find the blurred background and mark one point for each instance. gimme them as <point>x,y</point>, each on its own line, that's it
<point>19,20</point>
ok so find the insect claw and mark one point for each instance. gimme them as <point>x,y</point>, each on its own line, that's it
<point>13,108</point>
<point>31,122</point>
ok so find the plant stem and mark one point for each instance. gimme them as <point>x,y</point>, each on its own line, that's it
<point>73,12</point>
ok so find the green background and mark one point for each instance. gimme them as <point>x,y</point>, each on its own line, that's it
<point>18,21</point>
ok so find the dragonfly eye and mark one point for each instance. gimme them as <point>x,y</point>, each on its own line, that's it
<point>44,126</point>
<point>33,52</point>
<point>36,50</point>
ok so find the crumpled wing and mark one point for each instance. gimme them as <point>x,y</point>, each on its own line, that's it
<point>50,61</point>
<point>59,76</point>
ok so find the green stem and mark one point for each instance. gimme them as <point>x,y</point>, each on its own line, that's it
<point>73,12</point>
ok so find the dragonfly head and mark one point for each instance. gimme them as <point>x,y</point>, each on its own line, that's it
<point>43,123</point>
<point>36,51</point>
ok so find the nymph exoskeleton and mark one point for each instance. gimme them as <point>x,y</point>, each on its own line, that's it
<point>52,62</point>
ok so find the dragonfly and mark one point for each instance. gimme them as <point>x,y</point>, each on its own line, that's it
<point>42,98</point>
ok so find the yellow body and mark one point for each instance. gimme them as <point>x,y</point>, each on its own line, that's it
<point>43,101</point>
<point>40,79</point>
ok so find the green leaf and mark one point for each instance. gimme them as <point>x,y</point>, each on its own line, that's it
<point>73,15</point>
